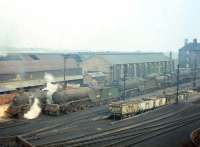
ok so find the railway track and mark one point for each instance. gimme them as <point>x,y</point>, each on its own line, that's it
<point>12,123</point>
<point>31,127</point>
<point>126,132</point>
<point>130,135</point>
<point>61,128</point>
<point>114,131</point>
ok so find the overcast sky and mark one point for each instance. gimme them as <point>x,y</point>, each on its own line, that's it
<point>120,25</point>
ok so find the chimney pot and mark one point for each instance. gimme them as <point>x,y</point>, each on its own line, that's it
<point>186,41</point>
<point>195,41</point>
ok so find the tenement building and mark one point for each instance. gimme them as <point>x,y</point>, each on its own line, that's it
<point>189,54</point>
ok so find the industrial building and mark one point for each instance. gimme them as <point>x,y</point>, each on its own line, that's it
<point>136,64</point>
<point>189,54</point>
<point>33,66</point>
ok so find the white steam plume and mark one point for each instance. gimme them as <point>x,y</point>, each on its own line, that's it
<point>3,109</point>
<point>34,111</point>
<point>51,88</point>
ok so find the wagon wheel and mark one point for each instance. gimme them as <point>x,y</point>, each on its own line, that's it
<point>81,107</point>
<point>57,113</point>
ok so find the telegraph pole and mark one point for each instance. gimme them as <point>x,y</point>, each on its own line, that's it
<point>64,71</point>
<point>177,84</point>
<point>194,73</point>
<point>165,74</point>
<point>124,88</point>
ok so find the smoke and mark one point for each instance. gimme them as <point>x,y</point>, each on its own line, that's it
<point>51,88</point>
<point>3,109</point>
<point>34,111</point>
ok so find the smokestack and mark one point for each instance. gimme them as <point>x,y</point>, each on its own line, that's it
<point>186,41</point>
<point>195,41</point>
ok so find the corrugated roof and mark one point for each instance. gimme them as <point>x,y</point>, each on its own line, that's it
<point>86,55</point>
<point>124,58</point>
<point>34,62</point>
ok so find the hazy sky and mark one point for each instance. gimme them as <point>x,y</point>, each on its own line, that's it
<point>123,25</point>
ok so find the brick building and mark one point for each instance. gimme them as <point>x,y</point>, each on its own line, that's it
<point>189,54</point>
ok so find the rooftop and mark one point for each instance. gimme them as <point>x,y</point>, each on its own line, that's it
<point>192,45</point>
<point>28,62</point>
<point>124,58</point>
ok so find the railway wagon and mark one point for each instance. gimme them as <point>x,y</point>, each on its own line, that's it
<point>134,106</point>
<point>186,94</point>
<point>163,101</point>
<point>191,93</point>
<point>146,104</point>
<point>125,108</point>
<point>158,101</point>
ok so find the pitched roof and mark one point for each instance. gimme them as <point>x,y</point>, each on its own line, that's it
<point>20,63</point>
<point>124,58</point>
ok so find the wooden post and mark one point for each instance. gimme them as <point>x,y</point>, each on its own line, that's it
<point>177,84</point>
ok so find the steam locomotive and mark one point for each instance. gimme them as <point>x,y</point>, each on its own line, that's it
<point>63,100</point>
<point>72,100</point>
